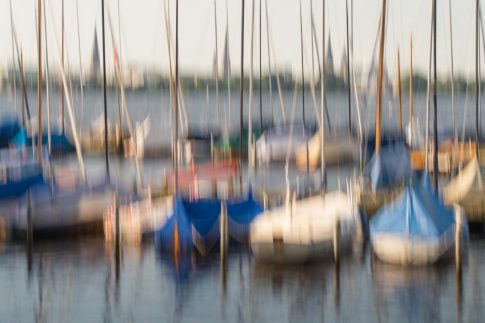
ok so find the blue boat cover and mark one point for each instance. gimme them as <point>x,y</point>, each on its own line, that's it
<point>59,141</point>
<point>417,213</point>
<point>390,168</point>
<point>244,212</point>
<point>202,215</point>
<point>9,126</point>
<point>15,187</point>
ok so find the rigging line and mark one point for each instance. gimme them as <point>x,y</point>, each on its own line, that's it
<point>270,84</point>
<point>69,101</point>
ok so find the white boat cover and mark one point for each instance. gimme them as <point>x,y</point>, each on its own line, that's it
<point>468,179</point>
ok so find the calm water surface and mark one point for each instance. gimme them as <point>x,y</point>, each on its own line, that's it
<point>81,281</point>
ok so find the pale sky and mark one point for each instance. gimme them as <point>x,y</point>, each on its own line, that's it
<point>144,40</point>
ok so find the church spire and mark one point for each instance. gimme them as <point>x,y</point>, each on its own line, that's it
<point>329,67</point>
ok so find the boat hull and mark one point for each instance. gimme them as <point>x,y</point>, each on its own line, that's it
<point>79,211</point>
<point>305,231</point>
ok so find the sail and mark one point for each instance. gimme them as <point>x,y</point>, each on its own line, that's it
<point>390,168</point>
<point>467,180</point>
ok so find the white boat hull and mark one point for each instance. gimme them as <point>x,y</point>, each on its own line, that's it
<point>138,219</point>
<point>406,250</point>
<point>307,231</point>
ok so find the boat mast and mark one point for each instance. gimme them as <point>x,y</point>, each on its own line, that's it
<point>455,133</point>
<point>241,85</point>
<point>62,63</point>
<point>105,104</point>
<point>39,80</point>
<point>302,69</point>
<point>81,77</point>
<point>379,81</point>
<point>435,103</point>
<point>349,91</point>
<point>228,73</point>
<point>47,86</point>
<point>216,61</point>
<point>176,91</point>
<point>477,80</point>
<point>399,91</point>
<point>13,67</point>
<point>270,74</point>
<point>322,105</point>
<point>411,92</point>
<point>260,69</point>
<point>250,103</point>
<point>428,94</point>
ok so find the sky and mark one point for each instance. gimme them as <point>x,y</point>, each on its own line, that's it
<point>143,40</point>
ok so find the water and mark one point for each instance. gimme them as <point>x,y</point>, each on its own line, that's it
<point>81,281</point>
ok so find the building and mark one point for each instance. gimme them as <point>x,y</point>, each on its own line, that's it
<point>329,67</point>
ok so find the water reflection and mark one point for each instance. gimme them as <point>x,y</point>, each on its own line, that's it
<point>87,281</point>
<point>416,291</point>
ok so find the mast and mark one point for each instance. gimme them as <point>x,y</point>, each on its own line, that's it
<point>411,91</point>
<point>428,91</point>
<point>455,133</point>
<point>322,105</point>
<point>241,85</point>
<point>270,82</point>
<point>379,81</point>
<point>13,67</point>
<point>47,86</point>
<point>104,92</point>
<point>477,80</point>
<point>62,63</point>
<point>176,91</point>
<point>260,70</point>
<point>435,103</point>
<point>227,72</point>
<point>302,69</point>
<point>22,87</point>
<point>216,61</point>
<point>121,103</point>
<point>349,91</point>
<point>81,78</point>
<point>250,103</point>
<point>39,80</point>
<point>399,91</point>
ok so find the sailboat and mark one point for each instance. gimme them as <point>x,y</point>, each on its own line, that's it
<point>390,165</point>
<point>306,229</point>
<point>417,229</point>
<point>197,223</point>
<point>466,189</point>
<point>339,148</point>
<point>63,208</point>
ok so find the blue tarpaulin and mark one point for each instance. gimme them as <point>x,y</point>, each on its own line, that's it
<point>202,216</point>
<point>417,213</point>
<point>59,142</point>
<point>9,126</point>
<point>390,168</point>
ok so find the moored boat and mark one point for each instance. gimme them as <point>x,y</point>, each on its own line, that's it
<point>417,229</point>
<point>305,230</point>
